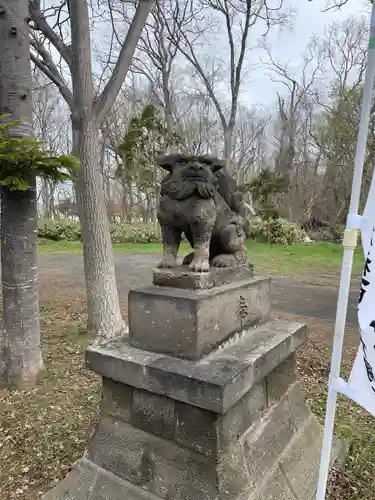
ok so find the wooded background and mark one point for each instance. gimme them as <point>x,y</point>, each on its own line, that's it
<point>117,83</point>
<point>181,93</point>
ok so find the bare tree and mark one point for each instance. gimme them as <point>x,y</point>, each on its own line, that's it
<point>298,88</point>
<point>20,356</point>
<point>130,102</point>
<point>345,54</point>
<point>249,143</point>
<point>334,4</point>
<point>344,46</point>
<point>208,17</point>
<point>50,124</point>
<point>314,146</point>
<point>295,157</point>
<point>88,112</point>
<point>156,58</point>
<point>199,126</point>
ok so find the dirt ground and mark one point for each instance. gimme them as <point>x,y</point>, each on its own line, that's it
<point>312,297</point>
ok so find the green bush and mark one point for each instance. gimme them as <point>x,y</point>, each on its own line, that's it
<point>328,233</point>
<point>68,230</point>
<point>123,233</point>
<point>278,231</point>
<point>65,229</point>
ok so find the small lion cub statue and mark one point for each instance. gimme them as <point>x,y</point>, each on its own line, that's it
<point>200,199</point>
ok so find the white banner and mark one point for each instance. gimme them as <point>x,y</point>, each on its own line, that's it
<point>362,378</point>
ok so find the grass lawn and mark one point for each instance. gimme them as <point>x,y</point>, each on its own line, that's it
<point>324,258</point>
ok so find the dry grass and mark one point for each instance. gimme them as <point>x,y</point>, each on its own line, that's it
<point>354,425</point>
<point>44,431</point>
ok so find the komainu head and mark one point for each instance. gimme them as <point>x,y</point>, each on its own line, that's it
<point>189,175</point>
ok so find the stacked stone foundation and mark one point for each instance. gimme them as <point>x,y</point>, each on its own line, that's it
<point>201,400</point>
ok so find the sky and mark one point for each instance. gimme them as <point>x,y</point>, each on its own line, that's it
<point>288,46</point>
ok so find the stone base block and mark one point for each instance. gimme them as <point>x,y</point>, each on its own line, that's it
<point>163,467</point>
<point>190,323</point>
<point>209,456</point>
<point>181,277</point>
<point>216,382</point>
<point>294,475</point>
<point>277,458</point>
<point>88,481</point>
<point>200,430</point>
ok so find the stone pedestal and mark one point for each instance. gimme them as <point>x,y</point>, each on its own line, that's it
<point>201,401</point>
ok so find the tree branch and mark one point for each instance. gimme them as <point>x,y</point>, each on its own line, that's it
<point>42,26</point>
<point>104,103</point>
<point>185,47</point>
<point>48,67</point>
<point>237,79</point>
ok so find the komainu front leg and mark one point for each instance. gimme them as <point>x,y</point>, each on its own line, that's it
<point>171,241</point>
<point>201,236</point>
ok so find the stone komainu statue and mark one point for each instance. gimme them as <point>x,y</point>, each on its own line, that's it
<point>200,199</point>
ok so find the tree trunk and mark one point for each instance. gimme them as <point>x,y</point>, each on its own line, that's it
<point>104,314</point>
<point>126,204</point>
<point>228,144</point>
<point>47,198</point>
<point>23,360</point>
<point>20,357</point>
<point>130,202</point>
<point>168,106</point>
<point>52,188</point>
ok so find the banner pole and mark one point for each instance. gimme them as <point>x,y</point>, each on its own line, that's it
<point>349,244</point>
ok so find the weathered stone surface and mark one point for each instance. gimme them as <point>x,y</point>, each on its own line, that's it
<point>274,487</point>
<point>215,382</point>
<point>111,487</point>
<point>239,418</point>
<point>299,409</point>
<point>266,442</point>
<point>161,466</point>
<point>211,433</point>
<point>117,399</point>
<point>153,413</point>
<point>148,461</point>
<point>280,379</point>
<point>148,411</point>
<point>88,481</point>
<point>232,473</point>
<point>230,426</point>
<point>181,277</point>
<point>188,323</point>
<point>301,460</point>
<point>77,485</point>
<point>196,429</point>
<point>339,452</point>
<point>200,199</point>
